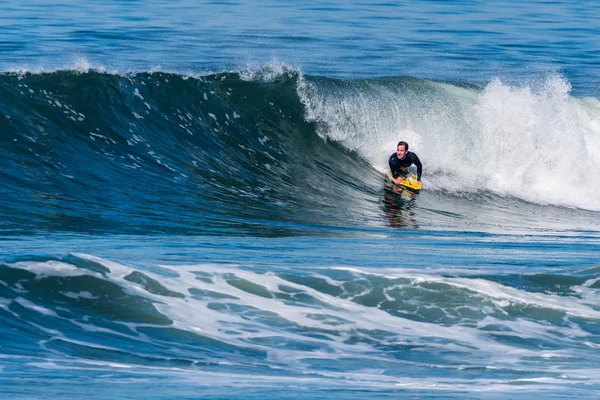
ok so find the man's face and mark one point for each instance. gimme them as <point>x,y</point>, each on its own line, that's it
<point>401,152</point>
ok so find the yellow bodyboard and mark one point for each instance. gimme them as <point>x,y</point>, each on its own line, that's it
<point>409,182</point>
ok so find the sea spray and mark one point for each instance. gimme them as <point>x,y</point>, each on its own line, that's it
<point>533,142</point>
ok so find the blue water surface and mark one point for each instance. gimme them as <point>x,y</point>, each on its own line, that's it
<point>193,201</point>
<point>453,40</point>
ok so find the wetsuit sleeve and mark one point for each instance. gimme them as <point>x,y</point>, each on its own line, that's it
<point>392,166</point>
<point>417,162</point>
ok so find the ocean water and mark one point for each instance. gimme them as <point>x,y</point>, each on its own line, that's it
<point>193,200</point>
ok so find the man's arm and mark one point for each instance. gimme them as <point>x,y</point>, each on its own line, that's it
<point>391,163</point>
<point>417,162</point>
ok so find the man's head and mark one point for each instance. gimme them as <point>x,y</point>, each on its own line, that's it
<point>402,149</point>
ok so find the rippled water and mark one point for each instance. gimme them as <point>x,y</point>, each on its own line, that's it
<point>463,40</point>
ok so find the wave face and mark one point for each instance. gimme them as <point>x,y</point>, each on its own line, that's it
<point>270,150</point>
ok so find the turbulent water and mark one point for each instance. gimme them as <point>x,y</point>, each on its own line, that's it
<point>232,235</point>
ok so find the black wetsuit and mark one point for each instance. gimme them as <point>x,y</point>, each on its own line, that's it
<point>400,167</point>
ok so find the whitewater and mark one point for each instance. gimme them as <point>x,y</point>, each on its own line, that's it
<point>200,210</point>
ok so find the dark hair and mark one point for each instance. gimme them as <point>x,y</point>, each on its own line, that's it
<point>403,143</point>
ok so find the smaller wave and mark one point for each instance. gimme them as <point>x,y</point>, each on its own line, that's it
<point>297,321</point>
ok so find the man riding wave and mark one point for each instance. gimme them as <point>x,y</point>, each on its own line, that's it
<point>401,160</point>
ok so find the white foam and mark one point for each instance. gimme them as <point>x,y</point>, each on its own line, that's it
<point>5,303</point>
<point>80,64</point>
<point>79,295</point>
<point>136,93</point>
<point>42,310</point>
<point>51,268</point>
<point>268,72</point>
<point>534,142</point>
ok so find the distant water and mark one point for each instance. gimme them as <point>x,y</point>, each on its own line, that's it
<point>193,200</point>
